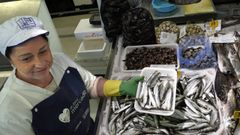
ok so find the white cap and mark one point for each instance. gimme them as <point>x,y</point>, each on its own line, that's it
<point>19,29</point>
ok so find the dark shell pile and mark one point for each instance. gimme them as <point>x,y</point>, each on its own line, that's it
<point>138,27</point>
<point>144,57</point>
<point>111,12</point>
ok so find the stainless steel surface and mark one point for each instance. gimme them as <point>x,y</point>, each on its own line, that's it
<point>15,8</point>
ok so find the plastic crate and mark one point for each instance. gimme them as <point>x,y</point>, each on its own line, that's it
<point>129,49</point>
<point>92,48</point>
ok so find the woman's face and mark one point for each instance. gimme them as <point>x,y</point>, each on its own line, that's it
<point>32,59</point>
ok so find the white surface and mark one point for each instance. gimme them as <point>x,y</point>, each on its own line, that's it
<point>85,30</point>
<point>94,48</point>
<point>146,72</point>
<point>96,65</point>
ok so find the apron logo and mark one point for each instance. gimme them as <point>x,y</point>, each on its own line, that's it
<point>64,117</point>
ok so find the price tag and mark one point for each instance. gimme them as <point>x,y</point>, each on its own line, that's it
<point>213,27</point>
<point>182,32</point>
<point>223,38</point>
<point>213,24</point>
<point>166,37</point>
<point>236,115</point>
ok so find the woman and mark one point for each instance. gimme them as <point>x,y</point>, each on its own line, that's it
<point>47,94</point>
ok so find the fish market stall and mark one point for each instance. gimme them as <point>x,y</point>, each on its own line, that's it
<point>191,80</point>
<point>197,107</point>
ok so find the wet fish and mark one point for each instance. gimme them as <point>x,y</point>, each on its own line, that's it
<point>196,114</point>
<point>222,86</point>
<point>237,42</point>
<point>227,110</point>
<point>224,63</point>
<point>237,93</point>
<point>192,87</point>
<point>234,59</point>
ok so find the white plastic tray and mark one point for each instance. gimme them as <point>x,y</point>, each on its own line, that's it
<point>129,49</point>
<point>85,30</point>
<point>92,48</point>
<point>146,72</point>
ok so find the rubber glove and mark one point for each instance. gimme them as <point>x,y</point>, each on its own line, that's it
<point>121,88</point>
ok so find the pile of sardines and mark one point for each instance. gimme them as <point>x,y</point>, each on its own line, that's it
<point>195,112</point>
<point>156,92</point>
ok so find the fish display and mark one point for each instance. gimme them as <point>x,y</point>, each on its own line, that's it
<point>156,92</point>
<point>205,100</point>
<point>196,110</point>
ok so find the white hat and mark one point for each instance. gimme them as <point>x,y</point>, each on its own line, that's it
<point>19,29</point>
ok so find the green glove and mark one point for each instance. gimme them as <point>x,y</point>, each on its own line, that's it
<point>129,87</point>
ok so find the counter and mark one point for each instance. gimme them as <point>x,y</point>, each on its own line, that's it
<point>100,120</point>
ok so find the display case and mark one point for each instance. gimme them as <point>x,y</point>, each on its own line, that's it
<point>117,115</point>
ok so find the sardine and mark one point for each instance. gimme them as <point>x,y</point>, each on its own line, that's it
<point>214,112</point>
<point>178,114</point>
<point>186,125</point>
<point>111,125</point>
<point>192,87</point>
<point>199,126</point>
<point>123,108</point>
<point>152,99</point>
<point>167,105</point>
<point>156,92</point>
<point>192,105</point>
<point>189,112</point>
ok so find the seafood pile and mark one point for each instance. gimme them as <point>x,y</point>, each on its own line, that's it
<point>191,53</point>
<point>194,29</point>
<point>141,57</point>
<point>228,58</point>
<point>195,52</point>
<point>164,28</point>
<point>227,81</point>
<point>195,113</point>
<point>137,27</point>
<point>111,12</point>
<point>156,94</point>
